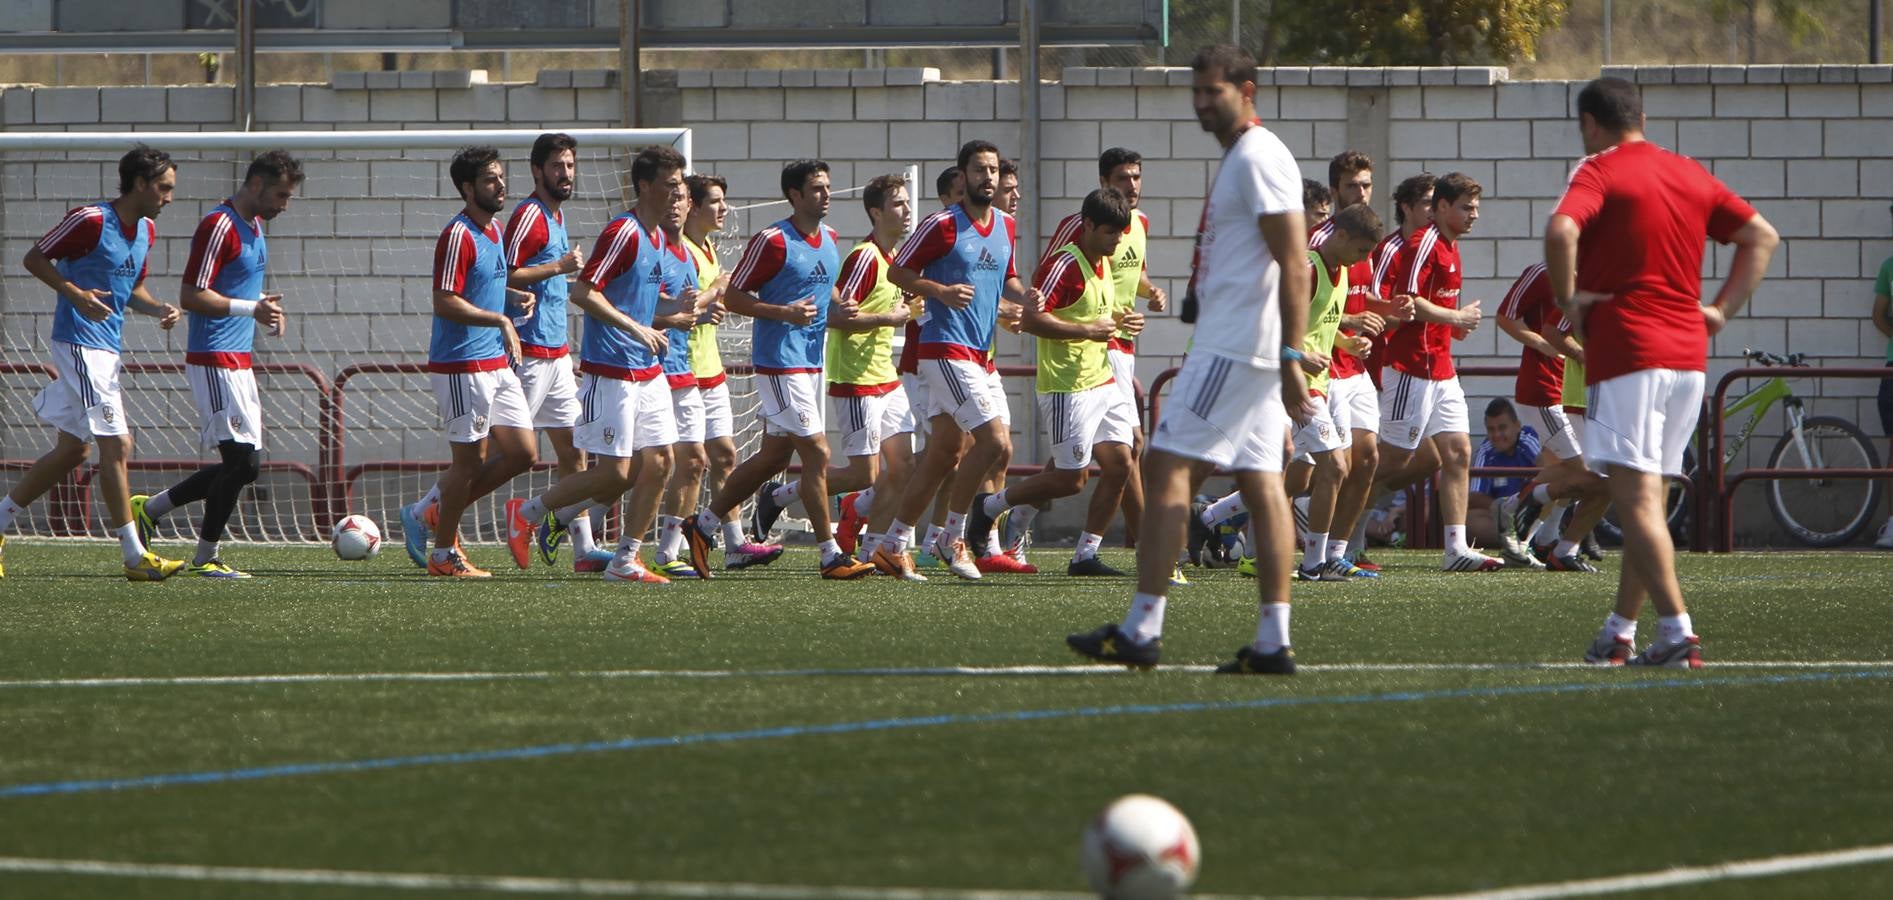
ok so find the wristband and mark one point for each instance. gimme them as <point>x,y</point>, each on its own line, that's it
<point>244,308</point>
<point>1290,354</point>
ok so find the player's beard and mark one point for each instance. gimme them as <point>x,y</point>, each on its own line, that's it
<point>556,191</point>
<point>982,195</point>
<point>492,204</point>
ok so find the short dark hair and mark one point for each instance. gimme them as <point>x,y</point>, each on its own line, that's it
<point>274,166</point>
<point>1008,166</point>
<point>1613,104</point>
<point>796,174</point>
<point>879,188</point>
<point>1109,160</point>
<point>699,186</point>
<point>469,163</point>
<point>1358,221</point>
<point>1409,192</point>
<point>973,148</point>
<point>1346,163</point>
<point>1314,193</point>
<point>1107,206</point>
<point>1454,185</point>
<point>1500,407</point>
<point>1236,64</point>
<point>549,144</point>
<point>652,162</point>
<point>943,182</point>
<point>142,162</point>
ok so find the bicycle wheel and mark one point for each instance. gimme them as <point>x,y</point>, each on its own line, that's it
<point>1675,508</point>
<point>1824,512</point>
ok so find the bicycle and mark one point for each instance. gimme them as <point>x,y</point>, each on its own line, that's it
<point>1818,512</point>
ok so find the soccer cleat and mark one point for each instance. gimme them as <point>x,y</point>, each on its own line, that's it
<point>1246,567</point>
<point>673,570</point>
<point>1524,509</point>
<point>978,524</point>
<point>1570,562</point>
<point>848,525</point>
<point>844,568</point>
<point>1177,578</point>
<point>1004,564</point>
<point>700,542</point>
<point>1470,561</point>
<point>960,562</point>
<point>1684,654</point>
<point>1323,572</point>
<point>1360,561</point>
<point>1884,540</point>
<point>1542,552</point>
<point>152,567</point>
<point>455,566</point>
<point>1516,555</point>
<point>549,536</point>
<point>767,509</point>
<point>897,565</point>
<point>742,556</point>
<point>1091,566</point>
<point>1201,536</point>
<point>1591,549</point>
<point>925,559</point>
<point>414,532</point>
<point>216,568</point>
<point>592,562</point>
<point>1108,644</point>
<point>1608,650</point>
<point>147,526</point>
<point>1353,571</point>
<point>519,535</point>
<point>1250,661</point>
<point>1014,535</point>
<point>633,571</point>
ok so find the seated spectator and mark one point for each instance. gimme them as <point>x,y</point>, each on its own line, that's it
<point>1506,444</point>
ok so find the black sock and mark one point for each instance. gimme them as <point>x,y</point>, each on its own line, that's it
<point>241,463</point>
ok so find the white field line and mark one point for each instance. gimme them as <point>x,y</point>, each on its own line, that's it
<point>1753,868</point>
<point>1076,671</point>
<point>511,884</point>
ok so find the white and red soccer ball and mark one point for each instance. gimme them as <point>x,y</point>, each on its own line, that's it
<point>1140,848</point>
<point>356,537</point>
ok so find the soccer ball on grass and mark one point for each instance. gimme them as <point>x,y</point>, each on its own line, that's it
<point>356,537</point>
<point>1140,848</point>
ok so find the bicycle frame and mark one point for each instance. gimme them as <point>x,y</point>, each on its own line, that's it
<point>1760,401</point>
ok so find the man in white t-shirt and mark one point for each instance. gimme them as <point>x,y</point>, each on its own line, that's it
<point>1234,397</point>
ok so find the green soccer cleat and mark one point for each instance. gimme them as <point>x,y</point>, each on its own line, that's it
<point>217,568</point>
<point>675,569</point>
<point>1246,568</point>
<point>147,526</point>
<point>1177,578</point>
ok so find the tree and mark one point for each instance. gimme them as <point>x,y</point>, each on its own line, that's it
<point>1407,32</point>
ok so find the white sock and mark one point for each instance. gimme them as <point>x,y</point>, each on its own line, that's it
<point>787,494</point>
<point>570,514</point>
<point>1456,539</point>
<point>993,547</point>
<point>864,550</point>
<point>1541,493</point>
<point>1144,622</point>
<point>1022,517</point>
<point>1088,545</point>
<point>582,541</point>
<point>1565,548</point>
<point>1546,530</point>
<point>1271,629</point>
<point>206,551</point>
<point>900,536</point>
<point>955,527</point>
<point>1673,629</point>
<point>708,520</point>
<point>431,497</point>
<point>670,538</point>
<point>1314,549</point>
<point>9,511</point>
<point>158,504</point>
<point>830,549</point>
<point>1223,509</point>
<point>628,548</point>
<point>995,504</point>
<point>533,511</point>
<point>863,501</point>
<point>1358,539</point>
<point>1337,549</point>
<point>733,535</point>
<point>932,540</point>
<point>1619,626</point>
<point>128,542</point>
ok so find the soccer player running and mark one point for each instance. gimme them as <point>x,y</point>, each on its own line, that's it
<point>960,260</point>
<point>625,419</point>
<point>708,210</point>
<point>1422,400</point>
<point>786,282</point>
<point>1623,251</point>
<point>1234,396</point>
<point>990,554</point>
<point>94,261</point>
<point>223,293</point>
<point>863,388</point>
<point>688,458</point>
<point>1083,409</point>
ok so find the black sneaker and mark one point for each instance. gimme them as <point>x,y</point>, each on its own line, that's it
<point>1525,512</point>
<point>1202,536</point>
<point>1109,645</point>
<point>1591,549</point>
<point>1570,562</point>
<point>978,525</point>
<point>1250,661</point>
<point>767,510</point>
<point>1091,565</point>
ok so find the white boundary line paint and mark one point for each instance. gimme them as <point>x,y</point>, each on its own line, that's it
<point>1751,868</point>
<point>918,672</point>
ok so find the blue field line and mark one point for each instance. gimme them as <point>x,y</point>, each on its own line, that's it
<point>291,770</point>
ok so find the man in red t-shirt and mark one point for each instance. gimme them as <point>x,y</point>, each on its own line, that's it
<point>1623,252</point>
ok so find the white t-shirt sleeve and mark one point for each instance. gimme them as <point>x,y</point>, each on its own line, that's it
<point>1270,183</point>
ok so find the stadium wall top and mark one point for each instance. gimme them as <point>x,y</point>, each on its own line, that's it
<point>62,141</point>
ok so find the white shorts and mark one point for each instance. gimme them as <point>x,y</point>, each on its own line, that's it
<point>1226,412</point>
<point>1080,421</point>
<point>865,421</point>
<point>551,391</point>
<point>1328,429</point>
<point>915,388</point>
<point>962,389</point>
<point>1643,420</point>
<point>898,417</point>
<point>228,403</point>
<point>84,400</point>
<point>998,387</point>
<point>686,409</point>
<point>619,417</point>
<point>1556,432</point>
<point>1357,395</point>
<point>1124,375</point>
<point>472,404</point>
<point>1413,408</point>
<point>718,420</point>
<point>791,404</point>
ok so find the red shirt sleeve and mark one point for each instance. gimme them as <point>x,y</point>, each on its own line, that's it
<point>215,243</point>
<point>1066,232</point>
<point>762,259</point>
<point>1416,264</point>
<point>1583,194</point>
<point>453,258</point>
<point>933,240</point>
<point>616,250</point>
<point>1531,289</point>
<point>1012,237</point>
<point>859,273</point>
<point>1061,281</point>
<point>74,236</point>
<point>526,234</point>
<point>1728,213</point>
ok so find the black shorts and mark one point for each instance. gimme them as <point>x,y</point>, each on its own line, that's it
<point>1886,404</point>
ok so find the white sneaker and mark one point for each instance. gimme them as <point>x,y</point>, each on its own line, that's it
<point>1885,540</point>
<point>1470,561</point>
<point>958,560</point>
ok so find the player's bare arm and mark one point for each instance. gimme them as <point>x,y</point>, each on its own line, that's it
<point>94,304</point>
<point>1366,321</point>
<point>1040,322</point>
<point>1158,299</point>
<point>744,303</point>
<point>1467,317</point>
<point>1755,244</point>
<point>527,276</point>
<point>594,305</point>
<point>1522,333</point>
<point>1287,238</point>
<point>144,304</point>
<point>267,309</point>
<point>957,296</point>
<point>680,311</point>
<point>847,317</point>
